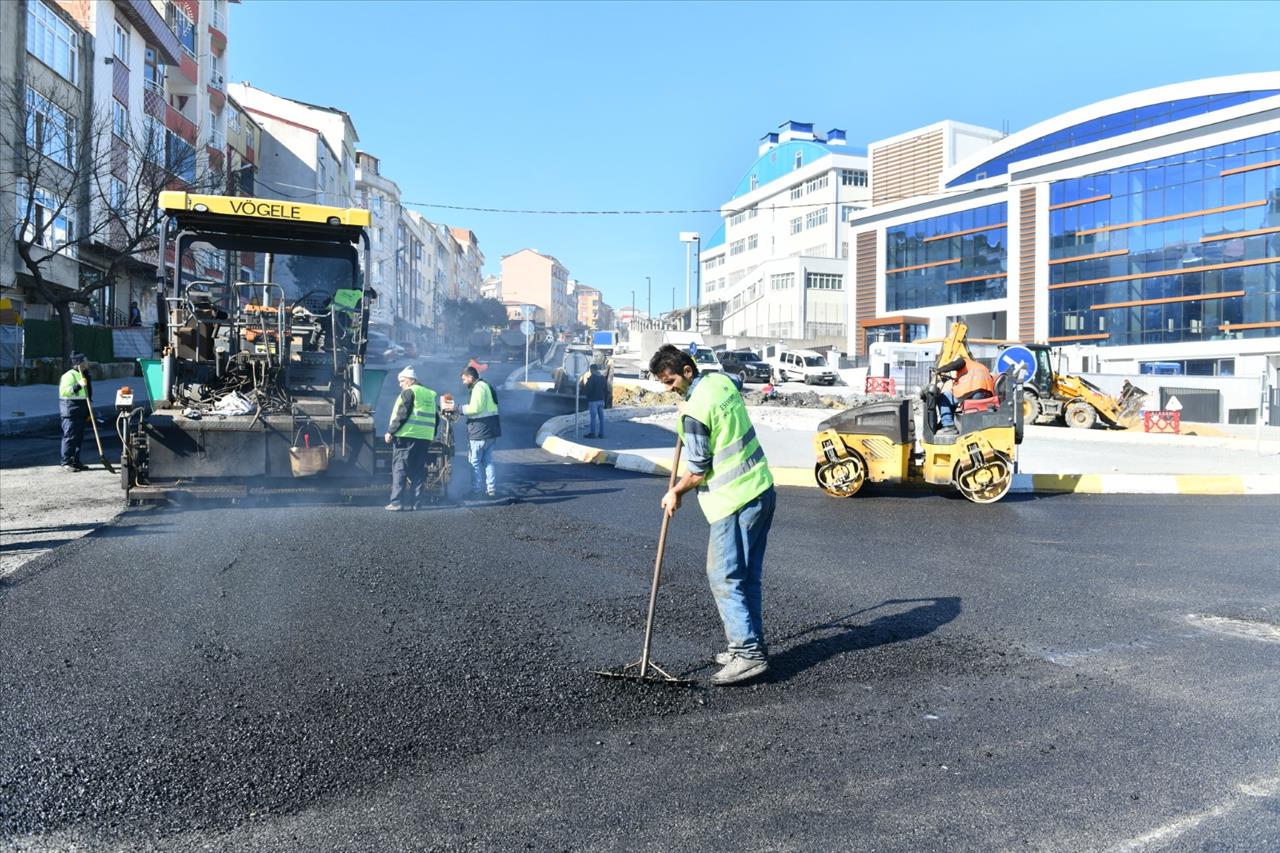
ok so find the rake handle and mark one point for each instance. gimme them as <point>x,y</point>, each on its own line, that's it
<point>657,566</point>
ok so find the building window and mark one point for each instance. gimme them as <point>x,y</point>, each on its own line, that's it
<point>853,178</point>
<point>119,119</point>
<point>51,40</point>
<point>797,191</point>
<point>375,203</point>
<point>182,28</point>
<point>118,195</point>
<point>823,281</point>
<point>751,213</point>
<point>122,43</point>
<point>51,224</point>
<point>233,121</point>
<point>754,182</point>
<point>180,157</point>
<point>152,71</point>
<point>797,225</point>
<point>844,249</point>
<point>782,281</point>
<point>814,218</point>
<point>846,210</point>
<point>737,247</point>
<point>799,160</point>
<point>50,131</point>
<point>738,218</point>
<point>154,141</point>
<point>752,242</point>
<point>814,184</point>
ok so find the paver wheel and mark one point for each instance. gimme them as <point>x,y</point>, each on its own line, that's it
<point>841,479</point>
<point>984,483</point>
<point>1081,415</point>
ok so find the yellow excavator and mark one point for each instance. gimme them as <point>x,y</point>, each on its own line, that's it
<point>1051,397</point>
<point>898,440</point>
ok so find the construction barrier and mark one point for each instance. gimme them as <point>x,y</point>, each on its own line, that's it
<point>1161,422</point>
<point>880,385</point>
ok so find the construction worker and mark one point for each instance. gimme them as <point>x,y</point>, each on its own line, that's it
<point>75,406</point>
<point>483,430</point>
<point>412,428</point>
<point>971,380</point>
<point>726,464</point>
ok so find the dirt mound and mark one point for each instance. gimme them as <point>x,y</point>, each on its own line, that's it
<point>624,395</point>
<point>796,400</point>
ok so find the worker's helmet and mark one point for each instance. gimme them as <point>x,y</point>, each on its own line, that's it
<point>408,373</point>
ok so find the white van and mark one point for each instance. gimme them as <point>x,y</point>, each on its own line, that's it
<point>802,365</point>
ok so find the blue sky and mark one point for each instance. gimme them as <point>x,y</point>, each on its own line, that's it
<point>570,106</point>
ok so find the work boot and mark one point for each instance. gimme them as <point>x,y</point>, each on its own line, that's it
<point>68,469</point>
<point>950,430</point>
<point>723,658</point>
<point>739,669</point>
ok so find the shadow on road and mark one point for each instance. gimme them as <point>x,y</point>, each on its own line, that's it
<point>821,642</point>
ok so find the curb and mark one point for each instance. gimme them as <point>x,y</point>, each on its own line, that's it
<point>10,427</point>
<point>550,440</point>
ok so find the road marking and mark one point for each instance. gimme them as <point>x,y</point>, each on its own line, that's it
<point>1267,786</point>
<point>1241,628</point>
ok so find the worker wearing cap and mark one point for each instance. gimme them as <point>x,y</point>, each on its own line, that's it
<point>483,430</point>
<point>727,466</point>
<point>412,428</point>
<point>75,402</point>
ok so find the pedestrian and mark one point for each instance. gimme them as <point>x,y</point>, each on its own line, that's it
<point>595,387</point>
<point>135,314</point>
<point>75,407</point>
<point>410,433</point>
<point>727,466</point>
<point>483,430</point>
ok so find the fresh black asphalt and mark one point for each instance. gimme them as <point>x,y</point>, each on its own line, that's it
<point>1061,673</point>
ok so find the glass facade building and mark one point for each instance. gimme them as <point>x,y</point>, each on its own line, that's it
<point>948,259</point>
<point>1108,126</point>
<point>1178,249</point>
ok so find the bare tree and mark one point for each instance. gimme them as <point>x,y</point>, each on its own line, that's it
<point>86,186</point>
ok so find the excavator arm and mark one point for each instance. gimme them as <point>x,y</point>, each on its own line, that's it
<point>954,345</point>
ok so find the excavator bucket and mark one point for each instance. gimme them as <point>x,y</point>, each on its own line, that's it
<point>1130,402</point>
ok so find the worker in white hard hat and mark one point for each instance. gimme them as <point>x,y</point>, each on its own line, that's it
<point>412,428</point>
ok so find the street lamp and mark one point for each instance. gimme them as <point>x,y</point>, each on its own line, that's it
<point>688,238</point>
<point>650,282</point>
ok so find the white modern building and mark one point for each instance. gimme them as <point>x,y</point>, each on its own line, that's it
<point>1140,234</point>
<point>780,261</point>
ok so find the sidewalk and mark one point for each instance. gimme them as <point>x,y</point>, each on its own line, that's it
<point>34,408</point>
<point>1050,459</point>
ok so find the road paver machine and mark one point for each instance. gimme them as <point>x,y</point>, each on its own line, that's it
<point>261,387</point>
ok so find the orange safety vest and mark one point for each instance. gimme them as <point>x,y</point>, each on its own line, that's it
<point>971,378</point>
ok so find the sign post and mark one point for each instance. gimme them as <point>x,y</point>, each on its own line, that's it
<point>527,328</point>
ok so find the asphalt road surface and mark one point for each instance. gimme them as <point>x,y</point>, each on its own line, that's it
<point>1064,673</point>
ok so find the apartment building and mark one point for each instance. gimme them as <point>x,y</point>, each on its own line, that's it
<point>418,281</point>
<point>308,151</point>
<point>1136,232</point>
<point>593,312</point>
<point>381,197</point>
<point>779,262</point>
<point>133,72</point>
<point>470,263</point>
<point>491,288</point>
<point>532,278</point>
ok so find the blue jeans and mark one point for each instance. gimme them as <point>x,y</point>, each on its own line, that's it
<point>735,567</point>
<point>947,409</point>
<point>595,411</point>
<point>74,414</point>
<point>480,455</point>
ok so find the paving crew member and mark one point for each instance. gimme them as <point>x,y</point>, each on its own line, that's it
<point>971,381</point>
<point>726,464</point>
<point>412,427</point>
<point>75,407</point>
<point>483,430</point>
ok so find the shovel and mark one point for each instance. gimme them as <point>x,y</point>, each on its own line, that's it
<point>645,669</point>
<point>98,439</point>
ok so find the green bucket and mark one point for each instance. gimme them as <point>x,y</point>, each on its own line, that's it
<point>153,378</point>
<point>371,386</point>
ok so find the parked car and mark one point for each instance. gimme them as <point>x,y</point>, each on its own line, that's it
<point>803,365</point>
<point>744,364</point>
<point>706,360</point>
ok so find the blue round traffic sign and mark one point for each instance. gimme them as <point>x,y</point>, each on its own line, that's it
<point>1014,356</point>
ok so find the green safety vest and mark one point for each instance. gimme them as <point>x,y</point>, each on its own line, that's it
<point>67,387</point>
<point>347,299</point>
<point>739,472</point>
<point>482,404</point>
<point>421,422</point>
